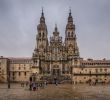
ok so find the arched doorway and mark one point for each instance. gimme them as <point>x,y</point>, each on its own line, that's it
<point>56,71</point>
<point>34,77</point>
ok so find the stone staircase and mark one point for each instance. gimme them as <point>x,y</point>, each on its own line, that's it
<point>60,79</point>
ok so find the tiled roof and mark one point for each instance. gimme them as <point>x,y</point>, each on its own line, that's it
<point>95,61</point>
<point>19,58</point>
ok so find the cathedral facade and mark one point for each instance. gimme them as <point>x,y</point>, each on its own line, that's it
<point>55,59</point>
<point>56,56</point>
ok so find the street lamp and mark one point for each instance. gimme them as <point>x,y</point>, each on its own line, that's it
<point>8,74</point>
<point>8,81</point>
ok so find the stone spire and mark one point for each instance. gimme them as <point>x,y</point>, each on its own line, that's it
<point>70,19</point>
<point>70,27</point>
<point>42,18</point>
<point>56,30</point>
<point>70,36</point>
<point>42,25</point>
<point>41,37</point>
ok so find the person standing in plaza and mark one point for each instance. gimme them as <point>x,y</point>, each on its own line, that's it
<point>27,83</point>
<point>34,86</point>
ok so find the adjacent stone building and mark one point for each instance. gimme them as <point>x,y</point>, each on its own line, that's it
<point>95,70</point>
<point>4,65</point>
<point>55,59</point>
<point>20,69</point>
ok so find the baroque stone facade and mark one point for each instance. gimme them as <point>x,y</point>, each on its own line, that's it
<point>56,55</point>
<point>54,58</point>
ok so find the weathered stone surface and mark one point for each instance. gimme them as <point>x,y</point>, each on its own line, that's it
<point>52,92</point>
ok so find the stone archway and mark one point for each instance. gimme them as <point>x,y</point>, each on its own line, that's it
<point>56,71</point>
<point>34,77</point>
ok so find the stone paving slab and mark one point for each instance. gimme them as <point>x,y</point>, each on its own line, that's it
<point>52,92</point>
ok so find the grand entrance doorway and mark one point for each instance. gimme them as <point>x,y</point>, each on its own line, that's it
<point>56,72</point>
<point>56,75</point>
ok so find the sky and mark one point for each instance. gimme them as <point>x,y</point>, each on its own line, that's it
<point>19,20</point>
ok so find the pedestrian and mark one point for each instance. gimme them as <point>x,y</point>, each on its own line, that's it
<point>41,84</point>
<point>89,81</point>
<point>37,85</point>
<point>45,83</point>
<point>22,84</point>
<point>26,84</point>
<point>34,87</point>
<point>56,83</point>
<point>30,86</point>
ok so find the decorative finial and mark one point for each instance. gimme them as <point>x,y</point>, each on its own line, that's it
<point>69,10</point>
<point>42,12</point>
<point>55,27</point>
<point>42,9</point>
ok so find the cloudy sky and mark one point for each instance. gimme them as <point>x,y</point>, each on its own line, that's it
<point>19,20</point>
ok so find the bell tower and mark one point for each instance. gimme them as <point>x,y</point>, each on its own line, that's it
<point>41,44</point>
<point>41,37</point>
<point>70,37</point>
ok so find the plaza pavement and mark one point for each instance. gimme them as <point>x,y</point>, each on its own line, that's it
<point>52,92</point>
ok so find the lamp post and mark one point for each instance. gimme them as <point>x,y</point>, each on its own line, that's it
<point>71,71</point>
<point>8,81</point>
<point>8,74</point>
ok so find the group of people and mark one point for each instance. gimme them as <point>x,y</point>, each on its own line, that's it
<point>35,85</point>
<point>94,82</point>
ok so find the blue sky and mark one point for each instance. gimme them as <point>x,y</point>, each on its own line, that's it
<point>19,20</point>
